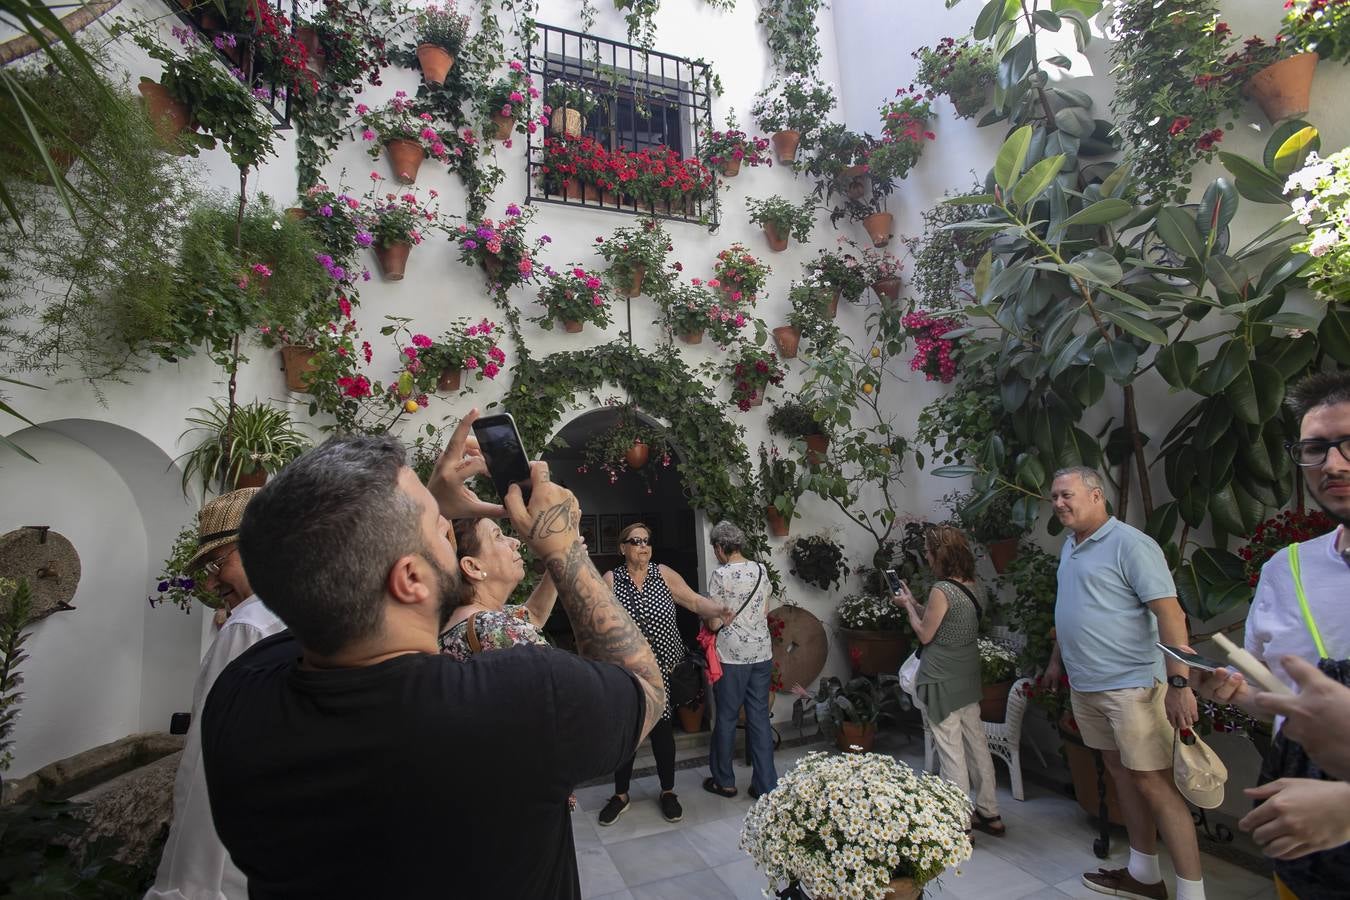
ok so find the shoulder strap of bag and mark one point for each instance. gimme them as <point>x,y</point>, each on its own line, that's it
<point>1296,570</point>
<point>471,634</point>
<point>979,610</point>
<point>753,591</point>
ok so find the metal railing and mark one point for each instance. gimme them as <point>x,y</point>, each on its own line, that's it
<point>646,100</point>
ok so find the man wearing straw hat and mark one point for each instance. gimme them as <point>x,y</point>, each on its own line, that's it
<point>195,864</point>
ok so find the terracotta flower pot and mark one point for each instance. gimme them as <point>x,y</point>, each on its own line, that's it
<point>590,193</point>
<point>972,101</point>
<point>315,59</point>
<point>692,337</point>
<point>405,158</point>
<point>904,889</point>
<point>297,213</point>
<point>448,380</point>
<point>888,289</point>
<point>994,701</point>
<point>573,190</point>
<point>1001,553</point>
<point>759,398</point>
<point>778,526</point>
<point>436,63</point>
<point>298,363</point>
<point>393,259</point>
<point>503,126</point>
<point>691,717</point>
<point>169,116</point>
<point>637,455</point>
<point>572,327</point>
<point>493,267</point>
<point>874,652</point>
<point>785,145</point>
<point>816,445</point>
<point>636,276</point>
<point>832,308</point>
<point>852,734</point>
<point>788,337</point>
<point>777,242</point>
<point>879,226</point>
<point>566,121</point>
<point>254,479</point>
<point>855,183</point>
<point>1282,89</point>
<point>730,168</point>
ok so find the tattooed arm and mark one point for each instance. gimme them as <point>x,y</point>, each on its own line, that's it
<point>603,630</point>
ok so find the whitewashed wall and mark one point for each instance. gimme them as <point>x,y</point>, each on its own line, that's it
<point>116,666</point>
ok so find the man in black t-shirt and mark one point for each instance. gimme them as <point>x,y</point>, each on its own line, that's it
<point>347,757</point>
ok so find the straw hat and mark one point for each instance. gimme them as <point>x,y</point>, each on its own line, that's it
<point>1198,771</point>
<point>218,522</point>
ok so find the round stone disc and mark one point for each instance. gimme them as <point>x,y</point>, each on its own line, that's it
<point>800,650</point>
<point>49,562</point>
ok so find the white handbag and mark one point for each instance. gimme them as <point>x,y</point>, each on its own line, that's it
<point>909,670</point>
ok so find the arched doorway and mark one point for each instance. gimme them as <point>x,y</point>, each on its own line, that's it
<point>655,497</point>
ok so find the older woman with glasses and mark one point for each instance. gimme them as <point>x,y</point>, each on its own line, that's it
<point>649,592</point>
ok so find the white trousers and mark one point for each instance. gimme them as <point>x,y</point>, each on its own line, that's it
<point>963,755</point>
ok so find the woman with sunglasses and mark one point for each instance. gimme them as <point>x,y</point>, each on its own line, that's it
<point>649,592</point>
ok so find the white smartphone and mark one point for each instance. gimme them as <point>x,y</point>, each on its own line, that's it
<point>893,579</point>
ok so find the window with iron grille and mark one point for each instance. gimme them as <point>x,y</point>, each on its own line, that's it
<point>616,101</point>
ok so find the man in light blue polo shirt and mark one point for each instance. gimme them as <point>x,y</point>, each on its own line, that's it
<point>1115,598</point>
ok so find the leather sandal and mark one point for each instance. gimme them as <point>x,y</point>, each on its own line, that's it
<point>989,824</point>
<point>713,787</point>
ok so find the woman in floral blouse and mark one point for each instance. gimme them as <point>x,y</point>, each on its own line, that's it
<point>490,567</point>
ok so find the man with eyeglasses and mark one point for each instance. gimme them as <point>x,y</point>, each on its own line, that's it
<point>1302,609</point>
<point>195,864</point>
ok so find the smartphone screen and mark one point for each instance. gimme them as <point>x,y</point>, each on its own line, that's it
<point>1194,660</point>
<point>504,453</point>
<point>893,579</point>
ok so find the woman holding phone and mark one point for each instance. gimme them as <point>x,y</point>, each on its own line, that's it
<point>948,682</point>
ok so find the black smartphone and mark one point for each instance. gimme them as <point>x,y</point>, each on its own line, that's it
<point>1194,660</point>
<point>893,579</point>
<point>504,453</point>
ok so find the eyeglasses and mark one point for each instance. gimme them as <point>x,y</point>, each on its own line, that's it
<point>213,567</point>
<point>638,542</point>
<point>1314,453</point>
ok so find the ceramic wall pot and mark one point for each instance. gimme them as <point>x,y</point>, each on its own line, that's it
<point>785,145</point>
<point>778,526</point>
<point>788,338</point>
<point>436,63</point>
<point>637,455</point>
<point>1001,553</point>
<point>1283,88</point>
<point>298,363</point>
<point>449,380</point>
<point>730,168</point>
<point>393,260</point>
<point>405,158</point>
<point>879,227</point>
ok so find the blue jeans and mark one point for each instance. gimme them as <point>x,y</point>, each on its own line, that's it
<point>743,685</point>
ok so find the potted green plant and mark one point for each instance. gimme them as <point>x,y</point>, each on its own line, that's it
<point>781,220</point>
<point>739,274</point>
<point>845,800</point>
<point>627,446</point>
<point>751,371</point>
<point>817,560</point>
<point>793,108</point>
<point>502,247</point>
<point>635,255</point>
<point>843,271</point>
<point>440,29</point>
<point>574,297</point>
<point>998,669</point>
<point>1322,206</point>
<point>730,149</point>
<point>811,317</point>
<point>797,421</point>
<point>690,310</point>
<point>176,583</point>
<point>882,271</point>
<point>855,708</point>
<point>961,69</point>
<point>239,448</point>
<point>393,227</point>
<point>875,631</point>
<point>569,103</point>
<point>781,485</point>
<point>403,131</point>
<point>904,135</point>
<point>989,521</point>
<point>838,166</point>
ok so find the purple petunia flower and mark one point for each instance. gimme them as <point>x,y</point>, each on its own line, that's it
<point>470,244</point>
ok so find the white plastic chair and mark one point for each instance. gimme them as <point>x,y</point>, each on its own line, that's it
<point>1004,737</point>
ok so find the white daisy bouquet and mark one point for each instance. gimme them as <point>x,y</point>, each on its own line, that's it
<point>998,661</point>
<point>844,826</point>
<point>1323,206</point>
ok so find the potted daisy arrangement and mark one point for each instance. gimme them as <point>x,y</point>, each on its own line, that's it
<point>858,825</point>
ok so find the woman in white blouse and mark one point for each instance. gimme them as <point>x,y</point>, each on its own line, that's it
<point>743,644</point>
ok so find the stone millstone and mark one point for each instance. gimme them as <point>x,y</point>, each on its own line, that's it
<point>49,562</point>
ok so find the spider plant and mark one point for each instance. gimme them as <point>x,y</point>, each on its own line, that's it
<point>260,440</point>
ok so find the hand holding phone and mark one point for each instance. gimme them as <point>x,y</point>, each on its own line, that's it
<point>550,523</point>
<point>504,453</point>
<point>893,579</point>
<point>1194,660</point>
<point>461,461</point>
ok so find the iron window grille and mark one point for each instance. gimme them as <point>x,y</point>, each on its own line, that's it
<point>237,53</point>
<point>647,100</point>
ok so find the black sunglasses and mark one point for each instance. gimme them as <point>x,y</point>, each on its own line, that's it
<point>638,542</point>
<point>1314,453</point>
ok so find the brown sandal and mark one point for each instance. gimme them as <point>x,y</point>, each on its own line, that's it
<point>989,824</point>
<point>713,787</point>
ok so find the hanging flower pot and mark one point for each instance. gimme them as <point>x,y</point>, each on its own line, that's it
<point>405,158</point>
<point>436,62</point>
<point>888,289</point>
<point>730,168</point>
<point>778,526</point>
<point>971,101</point>
<point>298,364</point>
<point>315,59</point>
<point>636,457</point>
<point>816,445</point>
<point>832,308</point>
<point>855,184</point>
<point>169,116</point>
<point>777,242</point>
<point>1282,89</point>
<point>493,266</point>
<point>297,213</point>
<point>788,338</point>
<point>503,126</point>
<point>566,121</point>
<point>448,380</point>
<point>692,337</point>
<point>1001,553</point>
<point>393,259</point>
<point>785,145</point>
<point>572,327</point>
<point>636,276</point>
<point>878,227</point>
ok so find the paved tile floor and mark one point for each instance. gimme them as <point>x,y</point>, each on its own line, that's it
<point>643,857</point>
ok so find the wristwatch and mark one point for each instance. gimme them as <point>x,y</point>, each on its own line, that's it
<point>1178,681</point>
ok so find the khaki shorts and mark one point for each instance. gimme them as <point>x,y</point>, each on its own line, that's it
<point>1132,721</point>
